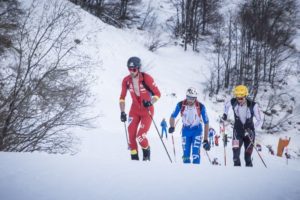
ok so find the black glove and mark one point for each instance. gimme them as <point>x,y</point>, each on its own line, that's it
<point>123,117</point>
<point>147,103</point>
<point>171,130</point>
<point>206,145</point>
<point>224,117</point>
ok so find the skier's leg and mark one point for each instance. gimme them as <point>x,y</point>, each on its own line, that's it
<point>237,149</point>
<point>236,156</point>
<point>146,154</point>
<point>248,150</point>
<point>196,144</point>
<point>186,145</point>
<point>142,133</point>
<point>133,122</point>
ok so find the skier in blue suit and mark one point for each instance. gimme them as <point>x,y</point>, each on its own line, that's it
<point>211,134</point>
<point>164,126</point>
<point>192,113</point>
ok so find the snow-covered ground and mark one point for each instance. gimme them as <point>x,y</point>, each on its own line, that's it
<point>102,168</point>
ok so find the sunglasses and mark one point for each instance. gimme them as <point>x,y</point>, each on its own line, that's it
<point>240,98</point>
<point>133,69</point>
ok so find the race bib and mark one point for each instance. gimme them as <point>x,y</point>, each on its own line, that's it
<point>235,143</point>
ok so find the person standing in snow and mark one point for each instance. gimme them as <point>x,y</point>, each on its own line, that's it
<point>144,94</point>
<point>164,126</point>
<point>211,133</point>
<point>244,110</point>
<point>217,140</point>
<point>225,140</point>
<point>192,113</point>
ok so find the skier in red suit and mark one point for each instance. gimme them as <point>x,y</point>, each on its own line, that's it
<point>144,94</point>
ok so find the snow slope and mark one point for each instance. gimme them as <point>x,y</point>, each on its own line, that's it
<point>102,168</point>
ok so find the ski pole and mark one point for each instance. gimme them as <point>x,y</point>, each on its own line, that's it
<point>224,155</point>
<point>257,151</point>
<point>159,135</point>
<point>173,142</point>
<point>126,135</point>
<point>224,142</point>
<point>208,157</point>
<point>174,148</point>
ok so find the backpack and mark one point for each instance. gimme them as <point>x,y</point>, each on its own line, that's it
<point>146,86</point>
<point>183,104</point>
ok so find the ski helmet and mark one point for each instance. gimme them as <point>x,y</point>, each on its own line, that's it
<point>240,91</point>
<point>134,62</point>
<point>191,92</point>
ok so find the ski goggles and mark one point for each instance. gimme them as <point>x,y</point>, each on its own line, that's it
<point>133,69</point>
<point>240,98</point>
<point>191,98</point>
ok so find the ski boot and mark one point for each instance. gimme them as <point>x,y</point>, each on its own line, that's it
<point>146,154</point>
<point>134,155</point>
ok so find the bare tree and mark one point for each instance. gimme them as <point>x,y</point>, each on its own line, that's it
<point>154,40</point>
<point>267,28</point>
<point>44,92</point>
<point>119,13</point>
<point>149,18</point>
<point>279,103</point>
<point>260,38</point>
<point>123,9</point>
<point>210,14</point>
<point>9,20</point>
<point>218,65</point>
<point>194,18</point>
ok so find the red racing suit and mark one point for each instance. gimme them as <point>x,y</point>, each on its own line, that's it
<point>138,114</point>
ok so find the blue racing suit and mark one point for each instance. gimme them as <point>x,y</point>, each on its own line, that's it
<point>211,133</point>
<point>164,126</point>
<point>191,130</point>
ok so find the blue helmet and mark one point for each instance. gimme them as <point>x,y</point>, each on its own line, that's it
<point>134,62</point>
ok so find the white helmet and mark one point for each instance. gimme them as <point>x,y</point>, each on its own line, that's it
<point>191,92</point>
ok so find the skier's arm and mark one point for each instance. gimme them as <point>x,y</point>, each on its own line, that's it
<point>172,122</point>
<point>174,115</point>
<point>152,85</point>
<point>122,106</point>
<point>123,95</point>
<point>206,126</point>
<point>206,122</point>
<point>257,115</point>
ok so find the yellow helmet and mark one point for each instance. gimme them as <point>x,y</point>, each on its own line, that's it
<point>240,91</point>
